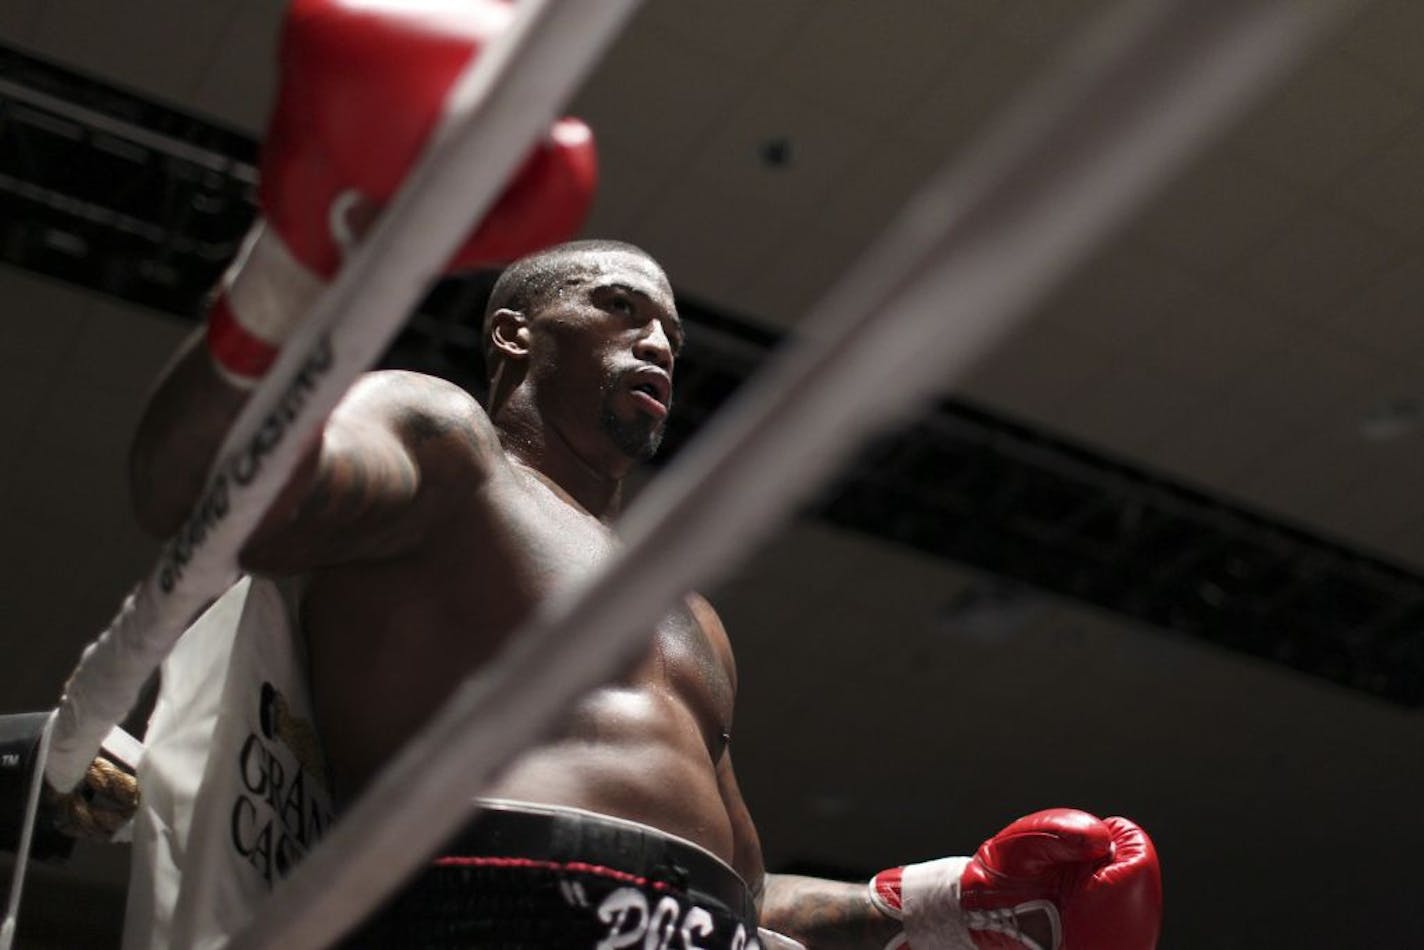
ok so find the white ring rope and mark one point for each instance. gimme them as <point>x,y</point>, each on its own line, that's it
<point>974,250</point>
<point>492,117</point>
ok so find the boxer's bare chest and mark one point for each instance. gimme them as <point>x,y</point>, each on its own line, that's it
<point>428,621</point>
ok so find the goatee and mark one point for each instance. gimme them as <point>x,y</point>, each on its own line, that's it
<point>639,437</point>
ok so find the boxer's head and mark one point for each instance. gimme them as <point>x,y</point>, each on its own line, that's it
<point>584,337</point>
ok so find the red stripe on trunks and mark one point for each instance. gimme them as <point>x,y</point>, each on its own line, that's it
<point>577,867</point>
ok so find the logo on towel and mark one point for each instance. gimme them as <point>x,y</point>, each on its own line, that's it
<point>284,805</point>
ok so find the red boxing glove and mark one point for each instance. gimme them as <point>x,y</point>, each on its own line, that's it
<point>1059,879</point>
<point>362,87</point>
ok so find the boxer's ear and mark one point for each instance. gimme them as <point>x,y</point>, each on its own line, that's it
<point>509,334</point>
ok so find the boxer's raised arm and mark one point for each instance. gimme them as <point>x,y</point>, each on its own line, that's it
<point>326,169</point>
<point>388,460</point>
<point>395,442</point>
<point>178,435</point>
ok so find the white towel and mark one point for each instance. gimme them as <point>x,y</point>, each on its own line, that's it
<point>232,779</point>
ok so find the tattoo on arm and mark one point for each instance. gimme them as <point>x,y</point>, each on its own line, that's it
<point>421,428</point>
<point>436,414</point>
<point>825,914</point>
<point>355,501</point>
<point>355,485</point>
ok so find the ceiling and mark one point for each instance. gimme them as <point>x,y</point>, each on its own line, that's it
<point>1253,334</point>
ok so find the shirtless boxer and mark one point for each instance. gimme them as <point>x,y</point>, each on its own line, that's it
<point>428,527</point>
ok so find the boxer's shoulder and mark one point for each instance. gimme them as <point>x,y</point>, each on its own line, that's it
<point>432,417</point>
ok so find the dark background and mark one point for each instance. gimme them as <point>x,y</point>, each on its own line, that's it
<point>1159,555</point>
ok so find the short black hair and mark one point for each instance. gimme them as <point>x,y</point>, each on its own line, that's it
<point>528,283</point>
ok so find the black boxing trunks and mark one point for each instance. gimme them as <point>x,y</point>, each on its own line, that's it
<point>536,876</point>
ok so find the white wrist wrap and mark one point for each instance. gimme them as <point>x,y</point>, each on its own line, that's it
<point>268,289</point>
<point>929,895</point>
<point>262,296</point>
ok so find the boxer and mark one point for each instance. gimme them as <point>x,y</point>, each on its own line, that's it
<point>426,527</point>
